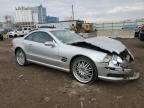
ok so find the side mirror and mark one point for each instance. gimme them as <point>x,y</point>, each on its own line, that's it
<point>49,43</point>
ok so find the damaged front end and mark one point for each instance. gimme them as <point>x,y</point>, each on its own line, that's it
<point>116,67</point>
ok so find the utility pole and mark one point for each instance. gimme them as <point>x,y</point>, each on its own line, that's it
<point>72,12</point>
<point>41,11</point>
<point>41,14</point>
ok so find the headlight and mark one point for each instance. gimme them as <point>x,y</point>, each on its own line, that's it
<point>113,59</point>
<point>116,59</point>
<point>107,58</point>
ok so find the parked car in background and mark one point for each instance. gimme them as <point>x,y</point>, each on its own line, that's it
<point>137,31</point>
<point>1,35</point>
<point>19,32</point>
<point>141,33</point>
<point>87,59</point>
<point>133,27</point>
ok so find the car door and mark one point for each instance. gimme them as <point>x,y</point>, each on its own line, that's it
<point>39,52</point>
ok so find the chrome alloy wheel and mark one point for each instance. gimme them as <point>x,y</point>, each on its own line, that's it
<point>83,71</point>
<point>20,57</point>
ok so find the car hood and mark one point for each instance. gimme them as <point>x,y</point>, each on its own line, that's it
<point>105,43</point>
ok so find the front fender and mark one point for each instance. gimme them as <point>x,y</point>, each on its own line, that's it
<point>69,52</point>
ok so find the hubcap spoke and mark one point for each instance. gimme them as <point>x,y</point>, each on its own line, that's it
<point>87,65</point>
<point>89,70</point>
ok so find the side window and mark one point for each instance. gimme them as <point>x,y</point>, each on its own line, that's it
<point>40,37</point>
<point>30,37</point>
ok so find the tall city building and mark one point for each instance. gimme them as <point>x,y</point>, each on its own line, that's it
<point>30,15</point>
<point>39,14</point>
<point>52,19</point>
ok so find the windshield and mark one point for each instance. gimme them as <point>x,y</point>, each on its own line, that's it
<point>66,36</point>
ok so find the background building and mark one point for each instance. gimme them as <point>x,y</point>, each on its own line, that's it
<point>7,23</point>
<point>29,16</point>
<point>39,14</point>
<point>61,24</point>
<point>51,19</point>
<point>24,16</point>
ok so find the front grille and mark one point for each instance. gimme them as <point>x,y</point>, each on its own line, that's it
<point>120,75</point>
<point>124,54</point>
<point>115,75</point>
<point>127,59</point>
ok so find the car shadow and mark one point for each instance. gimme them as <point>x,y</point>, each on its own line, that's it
<point>69,76</point>
<point>53,71</point>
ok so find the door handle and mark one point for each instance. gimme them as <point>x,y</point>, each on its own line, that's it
<point>30,44</point>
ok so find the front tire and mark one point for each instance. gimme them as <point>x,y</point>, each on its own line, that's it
<point>15,36</point>
<point>84,70</point>
<point>141,36</point>
<point>1,38</point>
<point>10,36</point>
<point>21,57</point>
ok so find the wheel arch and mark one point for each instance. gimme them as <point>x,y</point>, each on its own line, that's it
<point>17,49</point>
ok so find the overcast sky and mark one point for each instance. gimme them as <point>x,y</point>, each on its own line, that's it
<point>90,10</point>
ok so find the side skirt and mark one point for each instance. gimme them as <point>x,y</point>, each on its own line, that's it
<point>48,65</point>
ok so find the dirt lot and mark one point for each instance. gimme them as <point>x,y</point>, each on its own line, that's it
<point>36,86</point>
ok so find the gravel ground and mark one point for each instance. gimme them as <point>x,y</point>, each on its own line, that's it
<point>35,86</point>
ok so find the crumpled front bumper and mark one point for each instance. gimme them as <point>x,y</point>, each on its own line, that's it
<point>109,78</point>
<point>115,74</point>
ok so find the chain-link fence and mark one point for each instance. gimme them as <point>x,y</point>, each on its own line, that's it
<point>116,25</point>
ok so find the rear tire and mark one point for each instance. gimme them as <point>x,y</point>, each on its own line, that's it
<point>20,57</point>
<point>15,36</point>
<point>84,70</point>
<point>136,34</point>
<point>1,38</point>
<point>10,36</point>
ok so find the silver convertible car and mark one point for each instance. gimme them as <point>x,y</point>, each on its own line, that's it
<point>87,59</point>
